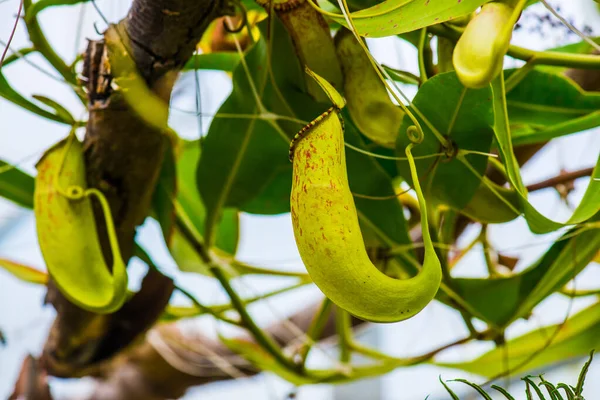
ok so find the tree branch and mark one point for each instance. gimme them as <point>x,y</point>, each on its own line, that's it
<point>564,177</point>
<point>123,157</point>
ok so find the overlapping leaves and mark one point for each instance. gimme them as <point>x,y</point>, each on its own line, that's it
<point>463,116</point>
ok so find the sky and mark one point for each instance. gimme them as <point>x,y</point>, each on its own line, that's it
<point>265,241</point>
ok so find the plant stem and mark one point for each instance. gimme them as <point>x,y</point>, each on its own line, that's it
<point>455,260</point>
<point>343,327</point>
<point>483,239</point>
<point>422,44</point>
<point>257,333</point>
<point>315,329</point>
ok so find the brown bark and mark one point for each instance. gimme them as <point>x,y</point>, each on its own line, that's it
<point>123,158</point>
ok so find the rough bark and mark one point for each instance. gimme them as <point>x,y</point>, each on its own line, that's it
<point>123,158</point>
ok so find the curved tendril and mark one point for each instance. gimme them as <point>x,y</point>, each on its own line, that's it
<point>415,135</point>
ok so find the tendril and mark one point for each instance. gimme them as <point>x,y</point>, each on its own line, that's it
<point>415,134</point>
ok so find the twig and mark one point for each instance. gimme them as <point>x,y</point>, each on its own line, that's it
<point>562,178</point>
<point>12,33</point>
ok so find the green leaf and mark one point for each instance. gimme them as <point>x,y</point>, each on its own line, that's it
<point>191,203</point>
<point>335,97</point>
<point>393,17</point>
<point>220,61</point>
<point>24,272</point>
<point>245,159</point>
<point>466,116</point>
<point>17,55</point>
<point>492,204</point>
<point>166,191</point>
<point>538,223</point>
<point>581,47</point>
<point>180,178</point>
<point>60,111</point>
<point>530,383</point>
<point>576,338</point>
<point>529,135</point>
<point>476,387</point>
<point>450,392</point>
<point>16,185</point>
<point>502,300</point>
<point>546,99</point>
<point>6,91</point>
<point>503,391</point>
<point>552,392</point>
<point>583,374</point>
<point>15,97</point>
<point>568,390</point>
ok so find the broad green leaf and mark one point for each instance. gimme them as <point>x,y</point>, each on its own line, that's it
<point>502,300</point>
<point>579,335</point>
<point>466,117</point>
<point>493,204</point>
<point>191,203</point>
<point>528,134</point>
<point>393,17</point>
<point>41,5</point>
<point>24,272</point>
<point>538,223</point>
<point>245,159</point>
<point>166,191</point>
<point>546,99</point>
<point>176,192</point>
<point>220,61</point>
<point>16,185</point>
